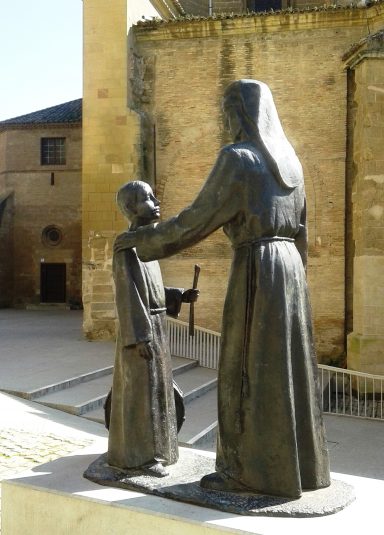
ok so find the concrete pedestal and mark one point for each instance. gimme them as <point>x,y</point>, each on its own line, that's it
<point>55,498</point>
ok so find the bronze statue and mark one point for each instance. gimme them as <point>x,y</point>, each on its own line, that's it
<point>271,437</point>
<point>142,426</point>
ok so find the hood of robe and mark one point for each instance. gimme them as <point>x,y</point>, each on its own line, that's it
<point>260,124</point>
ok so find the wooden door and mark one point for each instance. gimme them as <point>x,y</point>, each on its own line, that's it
<point>53,283</point>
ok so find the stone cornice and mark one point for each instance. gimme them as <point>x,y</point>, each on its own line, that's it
<point>372,46</point>
<point>267,22</point>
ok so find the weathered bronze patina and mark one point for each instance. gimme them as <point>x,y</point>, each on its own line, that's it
<point>271,437</point>
<point>142,426</point>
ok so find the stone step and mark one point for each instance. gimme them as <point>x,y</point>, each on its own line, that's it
<point>87,393</point>
<point>48,306</point>
<point>196,382</point>
<point>200,398</point>
<point>81,398</point>
<point>66,384</point>
<point>200,420</point>
<point>200,426</point>
<point>96,415</point>
<point>181,365</point>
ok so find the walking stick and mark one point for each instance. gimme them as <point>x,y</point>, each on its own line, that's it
<point>192,305</point>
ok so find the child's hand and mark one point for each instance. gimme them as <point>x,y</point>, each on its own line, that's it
<point>145,350</point>
<point>190,296</point>
<point>125,240</point>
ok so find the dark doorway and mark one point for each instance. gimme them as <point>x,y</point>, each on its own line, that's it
<point>52,283</point>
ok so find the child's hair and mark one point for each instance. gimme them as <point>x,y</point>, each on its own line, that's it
<point>126,197</point>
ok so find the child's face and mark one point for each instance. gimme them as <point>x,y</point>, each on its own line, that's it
<point>147,206</point>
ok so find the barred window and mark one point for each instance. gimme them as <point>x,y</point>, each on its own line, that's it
<point>52,150</point>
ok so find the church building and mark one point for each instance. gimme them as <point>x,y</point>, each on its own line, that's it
<point>152,110</point>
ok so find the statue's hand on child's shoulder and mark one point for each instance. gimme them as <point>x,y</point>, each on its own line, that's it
<point>125,240</point>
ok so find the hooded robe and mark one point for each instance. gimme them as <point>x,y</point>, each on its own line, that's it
<point>271,436</point>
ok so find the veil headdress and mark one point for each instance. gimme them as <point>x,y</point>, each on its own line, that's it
<point>260,122</point>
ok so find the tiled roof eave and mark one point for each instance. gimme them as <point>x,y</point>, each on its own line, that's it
<point>66,113</point>
<point>36,126</point>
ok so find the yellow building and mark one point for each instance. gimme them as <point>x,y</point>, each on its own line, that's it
<point>152,111</point>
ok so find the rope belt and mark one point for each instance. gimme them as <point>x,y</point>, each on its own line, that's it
<point>260,241</point>
<point>250,293</point>
<point>154,311</point>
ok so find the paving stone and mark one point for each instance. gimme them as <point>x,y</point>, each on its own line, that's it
<point>21,450</point>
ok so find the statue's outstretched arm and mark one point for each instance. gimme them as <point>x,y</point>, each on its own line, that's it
<point>218,202</point>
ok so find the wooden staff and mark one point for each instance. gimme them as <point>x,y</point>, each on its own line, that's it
<point>192,305</point>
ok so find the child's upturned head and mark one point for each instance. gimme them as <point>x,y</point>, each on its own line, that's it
<point>137,202</point>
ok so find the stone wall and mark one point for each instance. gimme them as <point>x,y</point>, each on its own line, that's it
<point>111,144</point>
<point>43,195</point>
<point>98,287</point>
<point>6,248</point>
<point>366,342</point>
<point>177,74</point>
<point>184,69</point>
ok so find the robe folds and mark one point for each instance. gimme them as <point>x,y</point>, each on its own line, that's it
<point>143,427</point>
<point>271,436</point>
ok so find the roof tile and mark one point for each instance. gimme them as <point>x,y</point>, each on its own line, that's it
<point>67,113</point>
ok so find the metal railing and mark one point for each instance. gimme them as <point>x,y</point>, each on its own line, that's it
<point>203,347</point>
<point>351,393</point>
<point>344,392</point>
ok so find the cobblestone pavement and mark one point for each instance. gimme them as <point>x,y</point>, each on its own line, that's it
<point>22,450</point>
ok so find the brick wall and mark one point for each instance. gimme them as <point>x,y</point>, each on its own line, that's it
<point>37,204</point>
<point>6,248</point>
<point>184,70</point>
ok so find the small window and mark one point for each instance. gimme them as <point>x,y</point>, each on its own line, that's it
<point>52,235</point>
<point>53,151</point>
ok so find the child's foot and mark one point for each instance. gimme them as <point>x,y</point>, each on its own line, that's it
<point>156,470</point>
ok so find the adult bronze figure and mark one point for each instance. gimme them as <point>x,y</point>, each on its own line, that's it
<point>271,437</point>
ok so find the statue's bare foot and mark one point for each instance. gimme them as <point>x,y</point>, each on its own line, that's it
<point>219,481</point>
<point>156,470</point>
